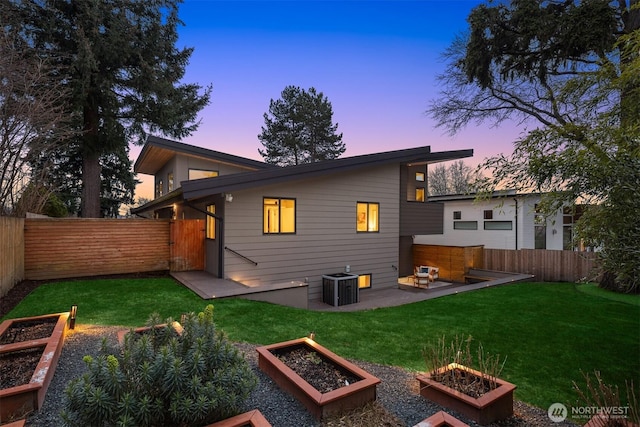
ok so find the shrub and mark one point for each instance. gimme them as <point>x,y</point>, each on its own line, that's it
<point>162,378</point>
<point>605,400</point>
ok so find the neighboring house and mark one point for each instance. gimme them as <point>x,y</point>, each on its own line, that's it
<point>267,224</point>
<point>507,220</point>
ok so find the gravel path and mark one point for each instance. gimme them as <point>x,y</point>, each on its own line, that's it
<point>398,392</point>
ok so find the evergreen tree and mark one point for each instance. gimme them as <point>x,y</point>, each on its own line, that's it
<point>299,129</point>
<point>126,74</point>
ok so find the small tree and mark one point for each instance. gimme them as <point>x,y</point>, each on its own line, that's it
<point>299,129</point>
<point>162,377</point>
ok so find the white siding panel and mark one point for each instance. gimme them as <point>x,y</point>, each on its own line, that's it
<point>325,240</point>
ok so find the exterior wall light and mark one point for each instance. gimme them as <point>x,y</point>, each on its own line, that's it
<point>72,316</point>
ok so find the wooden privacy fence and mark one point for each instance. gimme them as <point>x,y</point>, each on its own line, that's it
<point>545,265</point>
<point>11,253</point>
<point>73,247</point>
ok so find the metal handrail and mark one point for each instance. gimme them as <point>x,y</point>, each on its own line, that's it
<point>240,255</point>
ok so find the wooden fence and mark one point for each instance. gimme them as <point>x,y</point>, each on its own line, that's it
<point>545,265</point>
<point>11,252</point>
<point>73,247</point>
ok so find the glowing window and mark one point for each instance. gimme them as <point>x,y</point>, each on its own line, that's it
<point>279,216</point>
<point>367,217</point>
<point>201,173</point>
<point>211,222</point>
<point>170,182</point>
<point>364,281</point>
<point>420,176</point>
<point>419,194</point>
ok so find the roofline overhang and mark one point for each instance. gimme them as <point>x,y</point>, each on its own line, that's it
<point>234,182</point>
<point>165,201</point>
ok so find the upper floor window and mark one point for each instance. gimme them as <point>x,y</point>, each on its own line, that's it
<point>279,215</point>
<point>211,222</point>
<point>159,188</point>
<point>170,182</point>
<point>420,176</point>
<point>201,173</point>
<point>419,194</point>
<point>457,214</point>
<point>488,214</point>
<point>465,225</point>
<point>367,217</point>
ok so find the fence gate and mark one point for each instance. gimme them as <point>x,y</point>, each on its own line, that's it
<point>186,239</point>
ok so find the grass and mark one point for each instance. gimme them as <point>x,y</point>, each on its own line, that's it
<point>550,333</point>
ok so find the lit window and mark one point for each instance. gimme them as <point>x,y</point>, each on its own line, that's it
<point>367,217</point>
<point>211,222</point>
<point>170,182</point>
<point>201,173</point>
<point>159,189</point>
<point>488,214</point>
<point>465,225</point>
<point>419,194</point>
<point>420,176</point>
<point>364,281</point>
<point>498,225</point>
<point>279,216</point>
<point>457,214</point>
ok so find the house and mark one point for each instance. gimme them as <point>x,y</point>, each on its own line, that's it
<point>267,224</point>
<point>506,220</point>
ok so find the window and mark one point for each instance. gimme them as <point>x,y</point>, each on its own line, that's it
<point>159,189</point>
<point>201,173</point>
<point>169,182</point>
<point>567,238</point>
<point>540,229</point>
<point>419,194</point>
<point>364,281</point>
<point>488,214</point>
<point>457,214</point>
<point>367,220</point>
<point>498,225</point>
<point>279,216</point>
<point>211,222</point>
<point>420,176</point>
<point>465,225</point>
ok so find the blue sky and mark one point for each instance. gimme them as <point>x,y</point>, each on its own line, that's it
<point>376,61</point>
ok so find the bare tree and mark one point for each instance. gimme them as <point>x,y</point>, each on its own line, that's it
<point>457,178</point>
<point>438,180</point>
<point>33,122</point>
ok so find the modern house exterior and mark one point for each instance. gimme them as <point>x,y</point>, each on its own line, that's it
<point>267,224</point>
<point>507,220</point>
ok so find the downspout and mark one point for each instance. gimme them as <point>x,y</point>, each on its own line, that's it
<point>219,236</point>
<point>516,221</point>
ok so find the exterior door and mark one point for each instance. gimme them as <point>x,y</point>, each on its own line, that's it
<point>187,244</point>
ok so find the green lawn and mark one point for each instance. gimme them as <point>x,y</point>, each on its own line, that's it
<point>550,333</point>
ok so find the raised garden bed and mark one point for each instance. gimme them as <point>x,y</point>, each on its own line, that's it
<point>441,419</point>
<point>248,419</point>
<point>494,405</point>
<point>358,388</point>
<point>29,352</point>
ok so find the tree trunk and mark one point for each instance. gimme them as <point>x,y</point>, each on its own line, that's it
<point>91,186</point>
<point>91,169</point>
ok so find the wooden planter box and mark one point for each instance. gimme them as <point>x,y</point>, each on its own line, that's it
<point>492,406</point>
<point>248,419</point>
<point>441,419</point>
<point>16,402</point>
<point>319,404</point>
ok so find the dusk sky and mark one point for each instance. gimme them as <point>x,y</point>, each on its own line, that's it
<point>375,61</point>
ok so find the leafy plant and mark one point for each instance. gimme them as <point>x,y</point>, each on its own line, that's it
<point>167,376</point>
<point>605,399</point>
<point>459,352</point>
